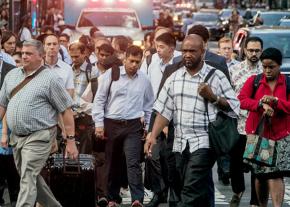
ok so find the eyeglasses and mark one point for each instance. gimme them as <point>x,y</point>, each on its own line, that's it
<point>253,50</point>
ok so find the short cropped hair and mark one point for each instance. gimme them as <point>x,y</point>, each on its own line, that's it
<point>272,54</point>
<point>254,39</point>
<point>45,37</point>
<point>199,30</point>
<point>106,48</point>
<point>134,51</point>
<point>224,40</point>
<point>77,46</point>
<point>65,35</point>
<point>167,38</point>
<point>35,43</point>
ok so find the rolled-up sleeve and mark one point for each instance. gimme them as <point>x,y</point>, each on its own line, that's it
<point>164,104</point>
<point>98,110</point>
<point>58,95</point>
<point>225,90</point>
<point>4,94</point>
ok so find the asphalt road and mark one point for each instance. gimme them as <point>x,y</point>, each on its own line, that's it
<point>223,194</point>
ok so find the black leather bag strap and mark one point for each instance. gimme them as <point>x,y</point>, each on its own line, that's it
<point>205,81</point>
<point>25,81</point>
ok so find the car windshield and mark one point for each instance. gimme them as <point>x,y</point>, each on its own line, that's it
<point>225,14</point>
<point>109,19</point>
<point>285,23</point>
<point>205,17</point>
<point>272,19</point>
<point>279,41</point>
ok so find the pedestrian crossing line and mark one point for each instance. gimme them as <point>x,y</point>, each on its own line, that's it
<point>287,193</point>
<point>220,198</point>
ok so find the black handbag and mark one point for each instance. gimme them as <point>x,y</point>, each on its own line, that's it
<point>223,133</point>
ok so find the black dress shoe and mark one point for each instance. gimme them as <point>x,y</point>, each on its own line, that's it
<point>154,202</point>
<point>103,202</point>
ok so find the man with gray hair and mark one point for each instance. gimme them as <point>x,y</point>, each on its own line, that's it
<point>32,113</point>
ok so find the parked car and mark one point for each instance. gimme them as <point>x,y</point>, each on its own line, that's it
<point>211,21</point>
<point>111,22</point>
<point>285,21</point>
<point>278,37</point>
<point>272,18</point>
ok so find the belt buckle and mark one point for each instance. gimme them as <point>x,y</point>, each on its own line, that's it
<point>124,121</point>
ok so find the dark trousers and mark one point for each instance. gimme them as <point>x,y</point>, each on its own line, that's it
<point>237,168</point>
<point>84,132</point>
<point>158,162</point>
<point>9,173</point>
<point>223,164</point>
<point>101,175</point>
<point>124,137</point>
<point>174,179</point>
<point>194,170</point>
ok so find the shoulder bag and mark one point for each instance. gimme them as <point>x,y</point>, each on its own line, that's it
<point>223,133</point>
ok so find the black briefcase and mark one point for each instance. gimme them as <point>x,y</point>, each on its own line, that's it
<point>73,181</point>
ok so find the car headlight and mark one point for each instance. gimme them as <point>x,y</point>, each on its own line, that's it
<point>225,22</point>
<point>138,43</point>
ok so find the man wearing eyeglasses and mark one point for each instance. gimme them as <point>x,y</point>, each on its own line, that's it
<point>239,74</point>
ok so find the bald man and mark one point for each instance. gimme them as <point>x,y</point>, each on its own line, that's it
<point>182,99</point>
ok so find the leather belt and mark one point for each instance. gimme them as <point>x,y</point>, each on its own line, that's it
<point>123,121</point>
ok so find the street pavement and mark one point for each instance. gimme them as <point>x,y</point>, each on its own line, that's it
<point>223,194</point>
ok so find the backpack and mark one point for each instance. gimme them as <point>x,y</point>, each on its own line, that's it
<point>61,54</point>
<point>89,68</point>
<point>115,75</point>
<point>257,81</point>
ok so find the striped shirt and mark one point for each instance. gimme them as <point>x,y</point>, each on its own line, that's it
<point>37,105</point>
<point>179,100</point>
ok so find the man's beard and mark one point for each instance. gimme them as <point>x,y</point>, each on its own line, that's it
<point>254,60</point>
<point>189,64</point>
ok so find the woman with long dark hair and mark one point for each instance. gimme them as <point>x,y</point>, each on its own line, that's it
<point>8,42</point>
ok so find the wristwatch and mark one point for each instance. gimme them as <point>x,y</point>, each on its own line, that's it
<point>70,137</point>
<point>260,103</point>
<point>276,100</point>
<point>216,101</point>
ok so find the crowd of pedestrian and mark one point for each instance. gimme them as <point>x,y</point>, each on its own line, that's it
<point>125,106</point>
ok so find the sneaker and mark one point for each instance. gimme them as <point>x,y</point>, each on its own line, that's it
<point>125,193</point>
<point>235,202</point>
<point>102,202</point>
<point>137,203</point>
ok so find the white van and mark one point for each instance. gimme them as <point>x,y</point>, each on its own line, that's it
<point>111,22</point>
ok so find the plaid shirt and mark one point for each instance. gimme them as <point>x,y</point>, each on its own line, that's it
<point>179,100</point>
<point>81,82</point>
<point>37,105</point>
